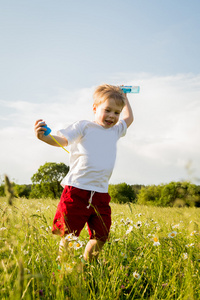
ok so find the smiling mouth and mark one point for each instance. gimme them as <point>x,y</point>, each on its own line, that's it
<point>109,122</point>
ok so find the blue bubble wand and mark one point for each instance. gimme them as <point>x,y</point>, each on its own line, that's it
<point>130,89</point>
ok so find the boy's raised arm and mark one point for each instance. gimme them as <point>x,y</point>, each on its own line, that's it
<point>39,132</point>
<point>127,113</point>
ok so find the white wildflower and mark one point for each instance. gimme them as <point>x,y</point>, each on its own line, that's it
<point>156,241</point>
<point>124,255</point>
<point>27,270</point>
<point>136,275</point>
<point>172,234</point>
<point>129,229</point>
<point>71,237</point>
<point>128,221</point>
<point>68,267</point>
<point>78,245</point>
<point>189,245</point>
<point>138,224</point>
<point>185,255</point>
<point>3,228</point>
<point>193,233</point>
<point>175,226</point>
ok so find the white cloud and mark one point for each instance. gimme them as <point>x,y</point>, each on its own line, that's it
<point>162,139</point>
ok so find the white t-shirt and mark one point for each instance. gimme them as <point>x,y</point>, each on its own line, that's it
<point>92,154</point>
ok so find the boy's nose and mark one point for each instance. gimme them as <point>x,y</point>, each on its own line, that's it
<point>112,115</point>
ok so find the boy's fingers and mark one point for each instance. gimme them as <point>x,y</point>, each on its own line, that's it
<point>37,121</point>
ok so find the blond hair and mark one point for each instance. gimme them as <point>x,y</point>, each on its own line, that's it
<point>106,91</point>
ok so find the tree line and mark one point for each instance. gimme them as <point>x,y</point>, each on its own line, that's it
<point>46,184</point>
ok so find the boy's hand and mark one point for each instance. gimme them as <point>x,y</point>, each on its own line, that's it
<point>125,94</point>
<point>39,132</point>
<point>39,129</point>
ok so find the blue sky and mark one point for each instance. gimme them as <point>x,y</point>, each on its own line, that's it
<point>54,53</point>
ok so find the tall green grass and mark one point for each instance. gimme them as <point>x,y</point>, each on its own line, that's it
<point>152,253</point>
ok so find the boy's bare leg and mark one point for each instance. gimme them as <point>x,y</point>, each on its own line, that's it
<point>92,249</point>
<point>64,250</point>
<point>61,249</point>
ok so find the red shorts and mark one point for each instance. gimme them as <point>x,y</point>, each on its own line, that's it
<point>72,213</point>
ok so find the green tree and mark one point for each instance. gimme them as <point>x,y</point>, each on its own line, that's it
<point>171,194</point>
<point>22,190</point>
<point>149,195</point>
<point>121,193</point>
<point>46,181</point>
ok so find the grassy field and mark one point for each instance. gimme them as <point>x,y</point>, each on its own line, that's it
<point>153,253</point>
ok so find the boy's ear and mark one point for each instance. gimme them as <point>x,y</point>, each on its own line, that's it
<point>94,108</point>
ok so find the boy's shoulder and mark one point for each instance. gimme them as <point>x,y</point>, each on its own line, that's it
<point>83,123</point>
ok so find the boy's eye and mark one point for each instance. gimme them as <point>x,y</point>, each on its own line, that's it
<point>107,110</point>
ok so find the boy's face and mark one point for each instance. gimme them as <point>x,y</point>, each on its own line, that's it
<point>107,113</point>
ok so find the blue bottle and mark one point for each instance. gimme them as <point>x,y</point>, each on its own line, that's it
<point>130,89</point>
<point>48,131</point>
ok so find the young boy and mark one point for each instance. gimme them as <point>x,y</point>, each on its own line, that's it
<point>85,197</point>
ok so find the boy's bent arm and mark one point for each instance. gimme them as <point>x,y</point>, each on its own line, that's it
<point>48,139</point>
<point>39,132</point>
<point>127,113</point>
